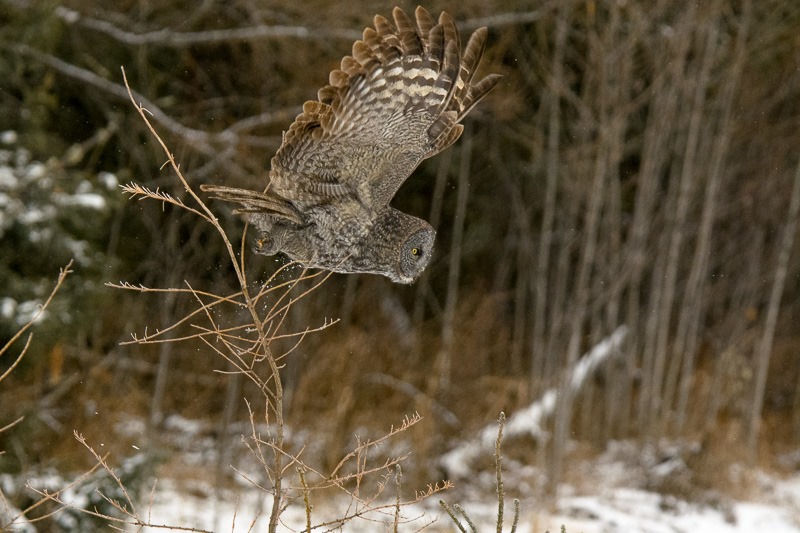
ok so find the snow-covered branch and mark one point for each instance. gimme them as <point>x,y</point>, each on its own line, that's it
<point>530,420</point>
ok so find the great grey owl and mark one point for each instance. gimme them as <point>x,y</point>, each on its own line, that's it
<point>396,101</point>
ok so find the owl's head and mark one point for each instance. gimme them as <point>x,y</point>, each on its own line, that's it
<point>414,253</point>
<point>398,246</point>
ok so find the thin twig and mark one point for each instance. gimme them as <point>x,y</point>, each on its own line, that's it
<point>302,473</point>
<point>398,473</point>
<point>48,497</point>
<point>452,515</point>
<point>516,516</point>
<point>499,471</point>
<point>466,517</point>
<point>62,275</point>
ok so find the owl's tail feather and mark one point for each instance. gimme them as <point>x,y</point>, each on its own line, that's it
<point>255,202</point>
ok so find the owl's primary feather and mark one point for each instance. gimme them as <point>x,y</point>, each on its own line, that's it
<point>397,100</point>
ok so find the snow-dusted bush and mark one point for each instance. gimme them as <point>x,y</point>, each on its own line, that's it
<point>50,215</point>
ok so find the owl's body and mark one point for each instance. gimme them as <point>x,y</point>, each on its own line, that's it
<point>396,101</point>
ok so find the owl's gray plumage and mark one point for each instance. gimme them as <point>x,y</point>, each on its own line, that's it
<point>396,101</point>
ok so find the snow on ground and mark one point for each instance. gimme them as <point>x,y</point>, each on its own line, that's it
<point>616,510</point>
<point>609,494</point>
<point>632,510</point>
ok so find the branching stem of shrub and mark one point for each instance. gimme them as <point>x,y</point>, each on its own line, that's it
<point>263,339</point>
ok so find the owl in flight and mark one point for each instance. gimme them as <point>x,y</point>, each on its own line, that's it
<point>397,100</point>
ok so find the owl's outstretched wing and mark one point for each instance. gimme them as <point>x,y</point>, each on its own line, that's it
<point>396,101</point>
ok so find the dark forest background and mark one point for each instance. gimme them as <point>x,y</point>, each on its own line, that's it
<point>637,166</point>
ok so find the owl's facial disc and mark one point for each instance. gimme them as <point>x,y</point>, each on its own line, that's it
<point>415,254</point>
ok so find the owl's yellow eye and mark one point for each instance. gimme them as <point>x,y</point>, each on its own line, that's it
<point>415,251</point>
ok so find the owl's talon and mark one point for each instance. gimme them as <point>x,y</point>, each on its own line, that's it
<point>261,246</point>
